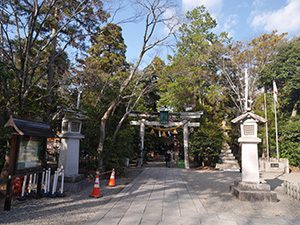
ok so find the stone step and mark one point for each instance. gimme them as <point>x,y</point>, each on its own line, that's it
<point>227,166</point>
<point>228,154</point>
<point>226,151</point>
<point>227,157</point>
<point>230,161</point>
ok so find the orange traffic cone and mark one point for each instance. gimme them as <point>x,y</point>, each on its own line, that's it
<point>96,191</point>
<point>112,179</point>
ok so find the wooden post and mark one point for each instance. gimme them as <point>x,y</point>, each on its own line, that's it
<point>12,170</point>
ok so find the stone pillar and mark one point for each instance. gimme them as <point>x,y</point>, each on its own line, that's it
<point>250,171</point>
<point>186,145</point>
<point>142,135</point>
<point>69,153</point>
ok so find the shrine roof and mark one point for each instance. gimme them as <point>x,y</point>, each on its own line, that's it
<point>30,128</point>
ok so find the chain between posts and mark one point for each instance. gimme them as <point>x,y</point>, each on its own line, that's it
<point>103,172</point>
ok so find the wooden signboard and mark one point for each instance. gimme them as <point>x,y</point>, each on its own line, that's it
<point>28,152</point>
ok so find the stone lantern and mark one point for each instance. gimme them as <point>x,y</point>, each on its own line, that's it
<point>249,140</point>
<point>69,150</point>
<point>250,189</point>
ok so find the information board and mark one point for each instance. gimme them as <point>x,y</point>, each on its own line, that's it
<point>29,153</point>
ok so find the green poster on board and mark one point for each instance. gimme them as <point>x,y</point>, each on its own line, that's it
<point>29,154</point>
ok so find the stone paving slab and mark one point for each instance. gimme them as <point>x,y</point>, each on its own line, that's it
<point>164,196</point>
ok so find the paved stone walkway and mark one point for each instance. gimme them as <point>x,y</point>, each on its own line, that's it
<point>163,196</point>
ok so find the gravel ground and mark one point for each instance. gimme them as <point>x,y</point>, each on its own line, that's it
<point>212,187</point>
<point>75,208</point>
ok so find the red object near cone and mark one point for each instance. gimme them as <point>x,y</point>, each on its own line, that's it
<point>112,179</point>
<point>17,186</point>
<point>96,191</point>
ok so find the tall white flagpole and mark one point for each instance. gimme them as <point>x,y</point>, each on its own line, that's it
<point>267,135</point>
<point>276,129</point>
<point>246,90</point>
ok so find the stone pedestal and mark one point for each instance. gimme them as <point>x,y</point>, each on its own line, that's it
<point>69,160</point>
<point>69,153</point>
<point>253,192</point>
<point>75,183</point>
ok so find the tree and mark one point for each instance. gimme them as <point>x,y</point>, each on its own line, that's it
<point>31,32</point>
<point>193,65</point>
<point>193,82</point>
<point>154,17</point>
<point>106,64</point>
<point>284,69</point>
<point>254,56</point>
<point>144,90</point>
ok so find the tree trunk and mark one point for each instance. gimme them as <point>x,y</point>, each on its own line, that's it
<point>102,134</point>
<point>294,111</point>
<point>101,144</point>
<point>51,68</point>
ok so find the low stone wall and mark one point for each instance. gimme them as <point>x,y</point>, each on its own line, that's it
<point>292,190</point>
<point>273,165</point>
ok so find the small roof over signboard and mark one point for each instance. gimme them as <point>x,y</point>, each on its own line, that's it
<point>249,115</point>
<point>30,128</point>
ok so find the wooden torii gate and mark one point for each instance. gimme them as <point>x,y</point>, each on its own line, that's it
<point>185,116</point>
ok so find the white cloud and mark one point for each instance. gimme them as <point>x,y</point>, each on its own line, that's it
<point>171,20</point>
<point>230,23</point>
<point>258,3</point>
<point>211,5</point>
<point>286,19</point>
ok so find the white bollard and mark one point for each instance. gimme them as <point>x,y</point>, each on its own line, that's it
<point>49,180</point>
<point>30,184</point>
<point>33,184</point>
<point>54,185</point>
<point>45,194</point>
<point>62,194</point>
<point>43,179</point>
<point>23,197</point>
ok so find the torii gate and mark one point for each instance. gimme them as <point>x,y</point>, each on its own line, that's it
<point>182,115</point>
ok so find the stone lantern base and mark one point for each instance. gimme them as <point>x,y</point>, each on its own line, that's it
<point>253,192</point>
<point>75,183</point>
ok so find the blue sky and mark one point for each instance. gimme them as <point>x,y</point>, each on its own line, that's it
<point>242,19</point>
